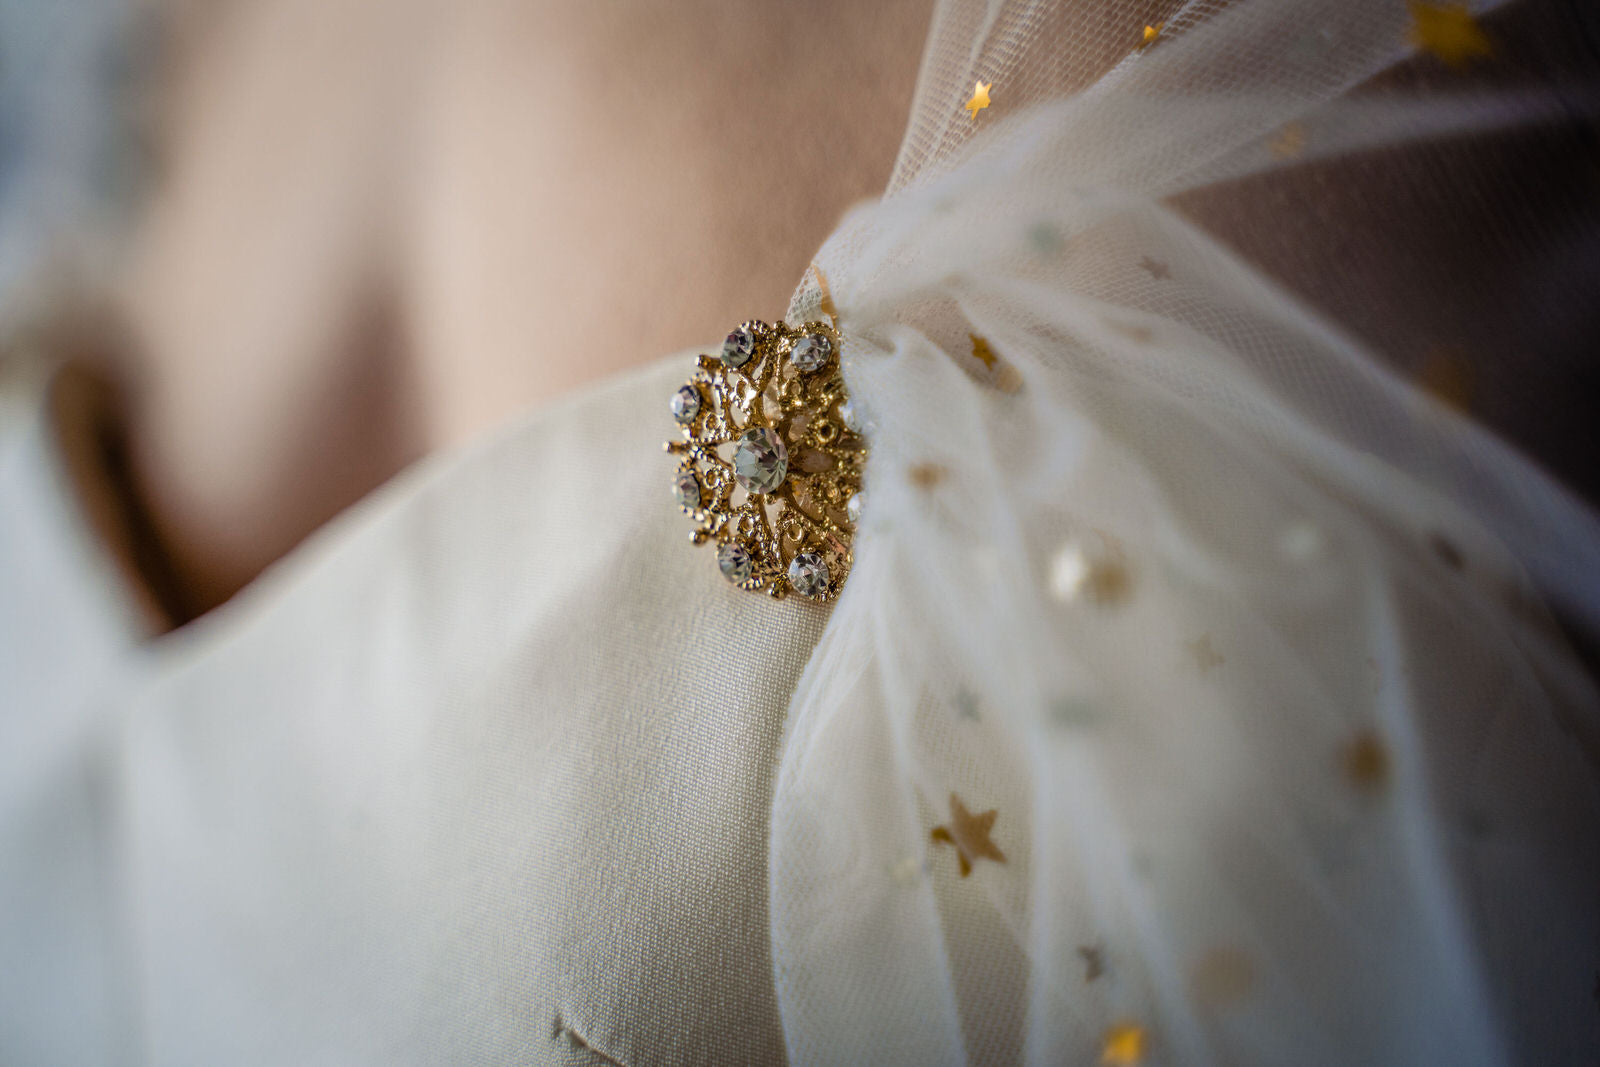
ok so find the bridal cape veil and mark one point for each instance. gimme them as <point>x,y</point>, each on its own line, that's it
<point>1232,629</point>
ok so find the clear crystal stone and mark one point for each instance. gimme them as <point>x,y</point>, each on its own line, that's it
<point>686,490</point>
<point>808,575</point>
<point>686,404</point>
<point>811,352</point>
<point>739,347</point>
<point>852,508</point>
<point>760,461</point>
<point>735,562</point>
<point>847,414</point>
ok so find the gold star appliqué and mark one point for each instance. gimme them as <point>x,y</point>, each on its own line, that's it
<point>1448,31</point>
<point>980,97</point>
<point>982,352</point>
<point>969,834</point>
<point>1149,36</point>
<point>1005,377</point>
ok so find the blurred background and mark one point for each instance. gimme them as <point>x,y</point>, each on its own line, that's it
<point>287,247</point>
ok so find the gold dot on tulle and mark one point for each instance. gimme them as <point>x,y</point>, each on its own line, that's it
<point>980,98</point>
<point>1289,141</point>
<point>1156,269</point>
<point>1102,578</point>
<point>1222,977</point>
<point>1446,375</point>
<point>1132,331</point>
<point>1449,32</point>
<point>1446,550</point>
<point>1365,762</point>
<point>926,475</point>
<point>969,834</point>
<point>1123,1044</point>
<point>1148,37</point>
<point>1204,655</point>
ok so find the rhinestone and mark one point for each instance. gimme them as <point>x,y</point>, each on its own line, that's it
<point>735,562</point>
<point>739,347</point>
<point>847,415</point>
<point>811,352</point>
<point>686,404</point>
<point>808,575</point>
<point>686,488</point>
<point>852,508</point>
<point>760,462</point>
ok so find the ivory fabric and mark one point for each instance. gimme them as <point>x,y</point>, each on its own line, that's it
<point>481,773</point>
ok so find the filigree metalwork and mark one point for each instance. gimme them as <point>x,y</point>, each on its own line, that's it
<point>796,535</point>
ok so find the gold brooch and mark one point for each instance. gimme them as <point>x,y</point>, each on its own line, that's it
<point>771,459</point>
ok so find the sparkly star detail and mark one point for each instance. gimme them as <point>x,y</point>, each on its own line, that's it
<point>969,834</point>
<point>1205,657</point>
<point>1102,577</point>
<point>980,98</point>
<point>1449,32</point>
<point>1155,268</point>
<point>1006,378</point>
<point>1123,1045</point>
<point>1094,964</point>
<point>982,352</point>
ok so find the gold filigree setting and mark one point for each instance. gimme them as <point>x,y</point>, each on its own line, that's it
<point>770,459</point>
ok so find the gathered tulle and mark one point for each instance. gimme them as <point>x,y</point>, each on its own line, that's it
<point>1238,633</point>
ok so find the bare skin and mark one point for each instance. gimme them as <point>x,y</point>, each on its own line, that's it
<point>382,228</point>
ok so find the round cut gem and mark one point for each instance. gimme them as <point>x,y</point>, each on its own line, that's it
<point>686,404</point>
<point>686,489</point>
<point>760,460</point>
<point>735,562</point>
<point>739,347</point>
<point>808,575</point>
<point>811,352</point>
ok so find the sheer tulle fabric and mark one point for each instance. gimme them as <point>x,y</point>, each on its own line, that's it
<point>1233,628</point>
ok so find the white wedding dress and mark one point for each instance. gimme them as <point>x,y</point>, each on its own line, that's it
<point>1239,637</point>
